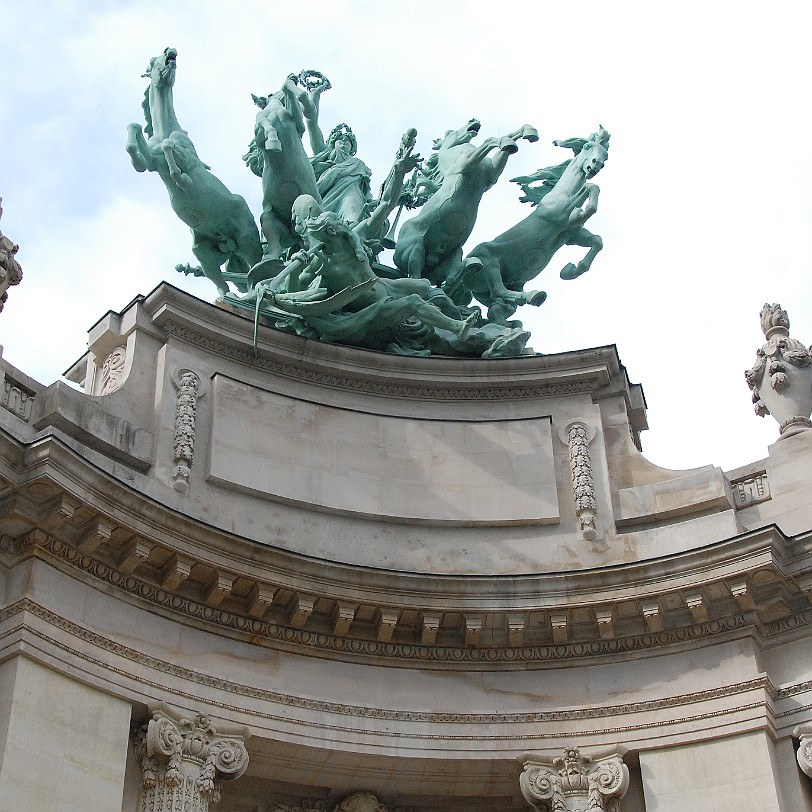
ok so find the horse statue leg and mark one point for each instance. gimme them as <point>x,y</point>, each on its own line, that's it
<point>137,147</point>
<point>210,258</point>
<point>182,180</point>
<point>584,239</point>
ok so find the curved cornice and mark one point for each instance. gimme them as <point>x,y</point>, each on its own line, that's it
<point>58,506</point>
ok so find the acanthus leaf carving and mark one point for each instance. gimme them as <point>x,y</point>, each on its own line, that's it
<point>183,760</point>
<point>575,782</point>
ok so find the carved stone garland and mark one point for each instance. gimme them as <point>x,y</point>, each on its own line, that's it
<point>183,762</point>
<point>578,437</point>
<point>575,783</point>
<point>190,389</point>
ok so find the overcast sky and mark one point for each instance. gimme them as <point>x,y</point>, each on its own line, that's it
<point>706,200</point>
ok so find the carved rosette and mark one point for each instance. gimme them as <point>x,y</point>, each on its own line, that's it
<point>575,783</point>
<point>190,389</point>
<point>183,762</point>
<point>781,378</point>
<point>578,436</point>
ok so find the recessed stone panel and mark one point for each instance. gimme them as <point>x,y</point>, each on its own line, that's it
<point>400,468</point>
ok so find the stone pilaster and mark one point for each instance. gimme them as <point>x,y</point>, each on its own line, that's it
<point>575,782</point>
<point>184,760</point>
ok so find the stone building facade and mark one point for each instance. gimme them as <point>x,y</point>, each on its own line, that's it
<point>324,578</point>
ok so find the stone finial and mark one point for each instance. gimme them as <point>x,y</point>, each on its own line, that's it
<point>575,782</point>
<point>10,271</point>
<point>781,378</point>
<point>184,760</point>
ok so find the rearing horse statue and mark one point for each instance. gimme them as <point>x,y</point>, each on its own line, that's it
<point>430,244</point>
<point>223,228</point>
<point>495,272</point>
<point>278,156</point>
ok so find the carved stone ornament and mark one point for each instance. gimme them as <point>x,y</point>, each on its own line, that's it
<point>112,374</point>
<point>190,389</point>
<point>781,378</point>
<point>360,802</point>
<point>10,271</point>
<point>578,435</point>
<point>184,760</point>
<point>575,783</point>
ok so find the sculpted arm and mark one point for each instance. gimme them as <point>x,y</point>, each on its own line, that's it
<point>309,99</point>
<point>392,188</point>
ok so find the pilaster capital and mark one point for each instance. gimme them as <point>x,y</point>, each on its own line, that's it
<point>574,781</point>
<point>185,758</point>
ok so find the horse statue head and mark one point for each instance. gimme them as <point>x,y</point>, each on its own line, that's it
<point>161,75</point>
<point>590,153</point>
<point>161,70</point>
<point>462,135</point>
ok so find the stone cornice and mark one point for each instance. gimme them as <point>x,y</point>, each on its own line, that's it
<point>104,646</point>
<point>184,317</point>
<point>58,505</point>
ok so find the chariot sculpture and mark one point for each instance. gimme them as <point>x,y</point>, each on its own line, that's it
<point>315,271</point>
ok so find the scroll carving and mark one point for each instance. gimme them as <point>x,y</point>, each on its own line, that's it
<point>750,490</point>
<point>184,760</point>
<point>18,399</point>
<point>112,374</point>
<point>578,436</point>
<point>575,782</point>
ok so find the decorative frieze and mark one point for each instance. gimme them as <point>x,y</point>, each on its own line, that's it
<point>578,436</point>
<point>190,389</point>
<point>183,761</point>
<point>575,783</point>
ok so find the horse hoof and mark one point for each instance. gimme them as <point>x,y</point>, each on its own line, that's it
<point>530,133</point>
<point>273,145</point>
<point>569,271</point>
<point>538,298</point>
<point>508,145</point>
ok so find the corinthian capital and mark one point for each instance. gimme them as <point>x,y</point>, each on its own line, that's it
<point>184,759</point>
<point>574,781</point>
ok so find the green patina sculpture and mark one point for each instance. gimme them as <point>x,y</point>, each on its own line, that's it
<point>495,272</point>
<point>223,228</point>
<point>430,244</point>
<point>278,156</point>
<point>318,275</point>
